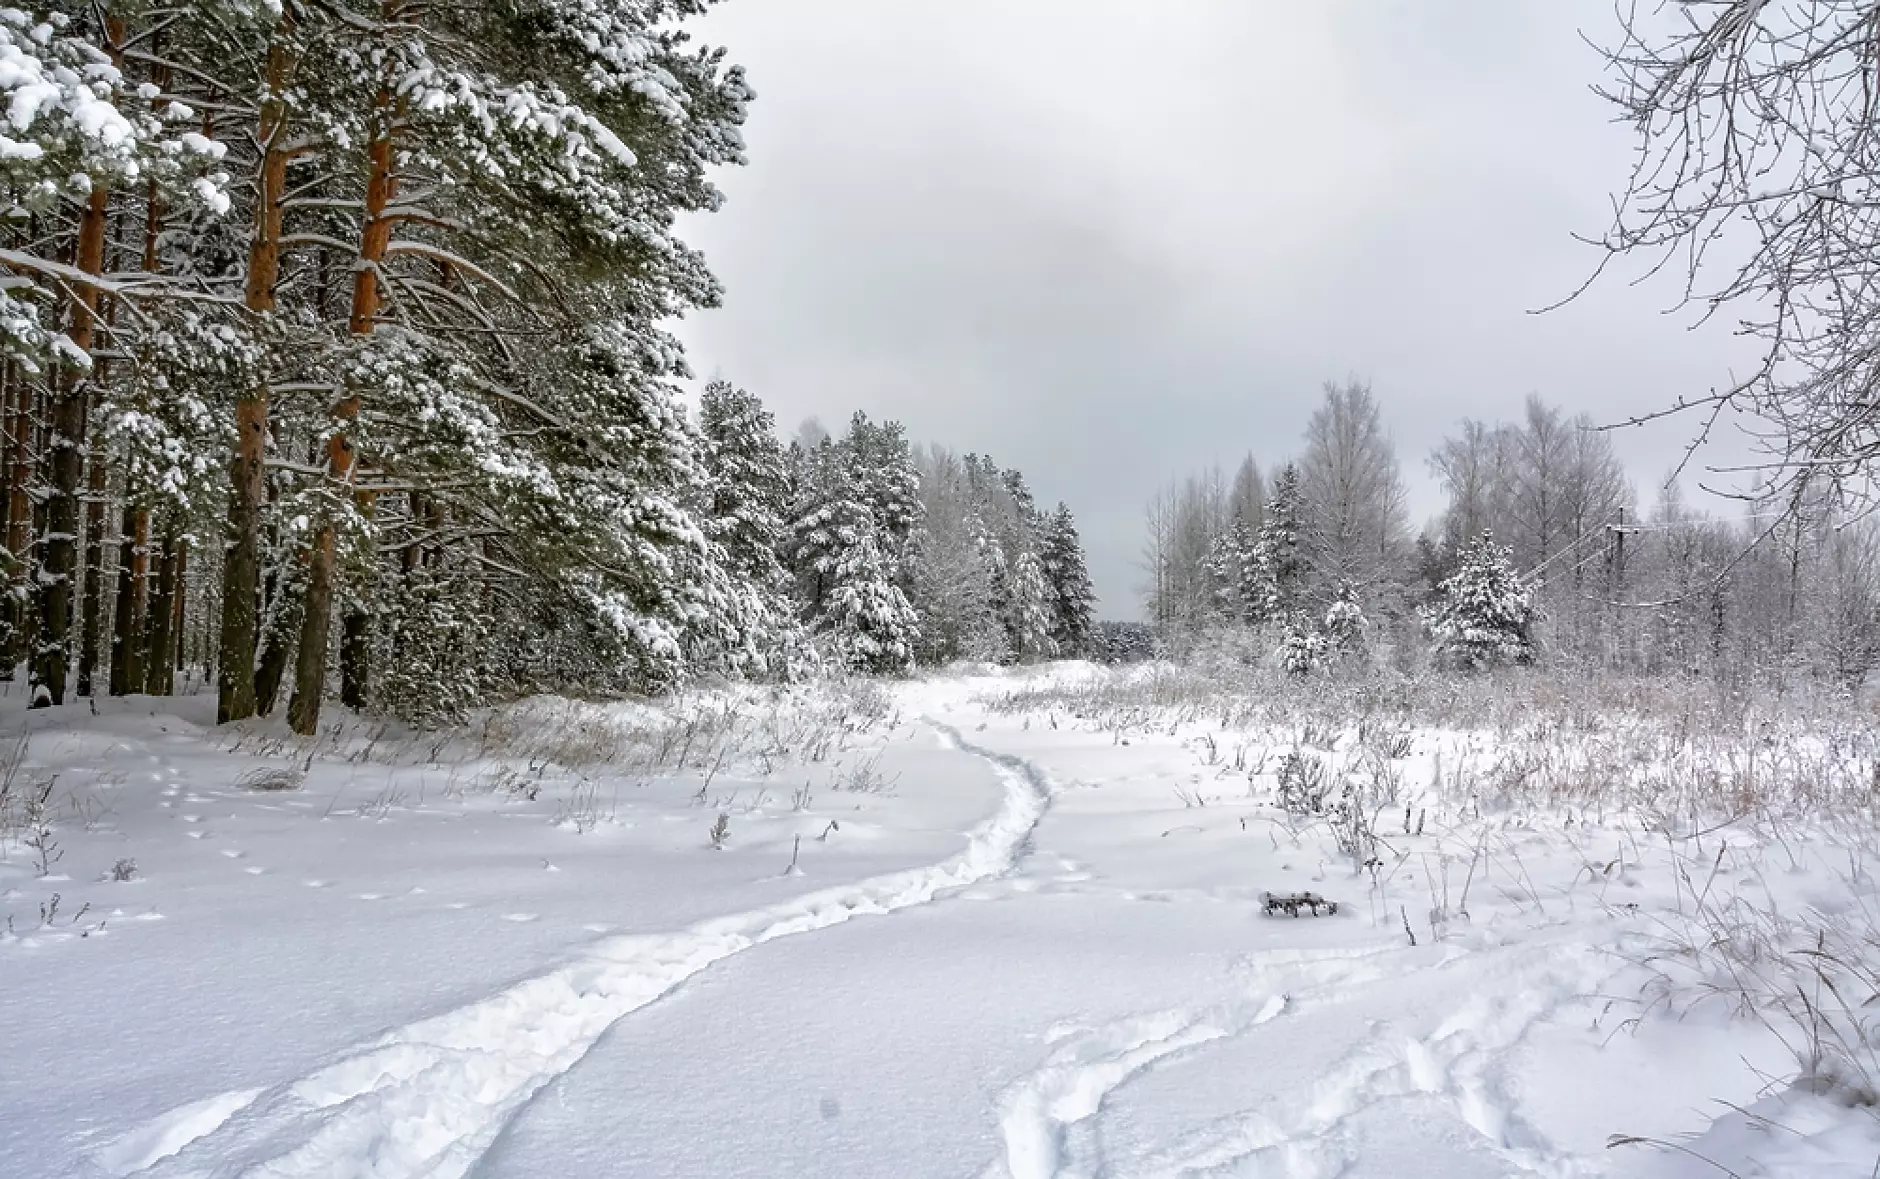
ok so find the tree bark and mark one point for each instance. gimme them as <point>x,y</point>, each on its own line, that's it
<point>179,605</point>
<point>271,663</point>
<point>91,626</point>
<point>236,696</point>
<point>355,647</point>
<point>303,709</point>
<point>42,437</point>
<point>355,652</point>
<point>19,518</point>
<point>303,713</point>
<point>127,632</point>
<point>59,552</point>
<point>159,672</point>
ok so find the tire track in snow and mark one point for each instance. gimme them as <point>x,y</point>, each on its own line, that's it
<point>426,1101</point>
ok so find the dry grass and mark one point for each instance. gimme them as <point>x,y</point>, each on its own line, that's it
<point>1791,777</point>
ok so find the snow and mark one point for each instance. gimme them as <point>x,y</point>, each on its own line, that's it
<point>943,937</point>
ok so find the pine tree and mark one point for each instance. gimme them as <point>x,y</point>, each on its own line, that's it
<point>998,585</point>
<point>1071,597</point>
<point>881,466</point>
<point>1276,570</point>
<point>334,344</point>
<point>1235,574</point>
<point>80,134</point>
<point>749,481</point>
<point>828,520</point>
<point>749,477</point>
<point>1302,650</point>
<point>864,615</point>
<point>1028,620</point>
<point>1485,617</point>
<point>1345,626</point>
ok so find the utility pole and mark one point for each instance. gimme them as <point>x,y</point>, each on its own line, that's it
<point>1615,580</point>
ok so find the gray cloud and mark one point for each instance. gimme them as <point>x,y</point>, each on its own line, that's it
<point>1109,243</point>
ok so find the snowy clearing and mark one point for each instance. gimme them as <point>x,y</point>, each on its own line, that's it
<point>978,926</point>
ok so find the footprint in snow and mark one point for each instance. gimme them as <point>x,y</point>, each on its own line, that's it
<point>520,917</point>
<point>234,854</point>
<point>192,818</point>
<point>317,883</point>
<point>254,871</point>
<point>368,896</point>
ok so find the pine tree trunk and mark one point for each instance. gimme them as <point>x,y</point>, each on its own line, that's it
<point>303,713</point>
<point>355,652</point>
<point>236,689</point>
<point>19,517</point>
<point>159,672</point>
<point>91,626</point>
<point>127,632</point>
<point>355,646</point>
<point>35,543</point>
<point>303,709</point>
<point>271,663</point>
<point>59,549</point>
<point>179,605</point>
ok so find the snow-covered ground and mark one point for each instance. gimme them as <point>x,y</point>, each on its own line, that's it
<point>958,927</point>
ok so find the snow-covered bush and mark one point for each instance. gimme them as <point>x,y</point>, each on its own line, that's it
<point>1302,650</point>
<point>1345,627</point>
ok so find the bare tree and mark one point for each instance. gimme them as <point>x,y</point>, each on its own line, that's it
<point>1246,499</point>
<point>1356,524</point>
<point>1471,465</point>
<point>1157,557</point>
<point>1758,124</point>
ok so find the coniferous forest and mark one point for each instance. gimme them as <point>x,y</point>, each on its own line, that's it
<point>338,362</point>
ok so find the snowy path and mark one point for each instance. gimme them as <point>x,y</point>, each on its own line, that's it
<point>429,1099</point>
<point>1062,1024</point>
<point>1099,995</point>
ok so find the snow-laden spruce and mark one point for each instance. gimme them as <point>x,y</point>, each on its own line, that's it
<point>1485,617</point>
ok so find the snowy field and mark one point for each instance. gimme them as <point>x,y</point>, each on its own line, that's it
<point>993,926</point>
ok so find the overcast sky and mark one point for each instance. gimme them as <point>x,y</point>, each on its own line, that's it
<point>1110,244</point>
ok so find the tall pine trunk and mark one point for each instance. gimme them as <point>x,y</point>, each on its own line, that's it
<point>179,605</point>
<point>19,517</point>
<point>355,651</point>
<point>91,625</point>
<point>65,463</point>
<point>159,656</point>
<point>42,438</point>
<point>303,712</point>
<point>241,572</point>
<point>355,644</point>
<point>127,631</point>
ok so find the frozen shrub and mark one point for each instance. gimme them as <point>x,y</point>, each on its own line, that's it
<point>1303,784</point>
